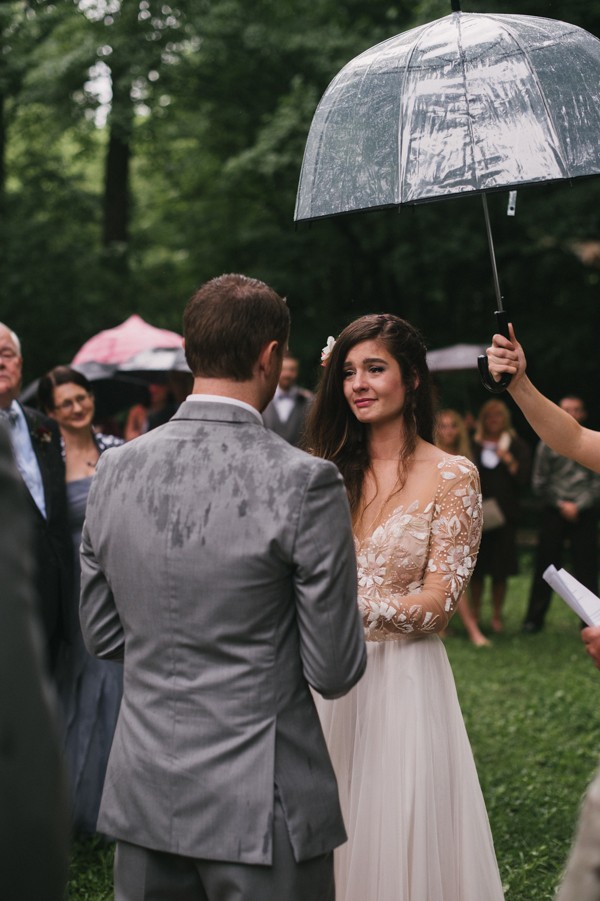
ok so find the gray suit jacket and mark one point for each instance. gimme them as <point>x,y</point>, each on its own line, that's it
<point>219,561</point>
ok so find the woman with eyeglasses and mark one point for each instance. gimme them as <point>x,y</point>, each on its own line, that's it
<point>90,689</point>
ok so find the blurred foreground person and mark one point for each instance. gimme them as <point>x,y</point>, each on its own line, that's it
<point>569,438</point>
<point>34,822</point>
<point>89,689</point>
<point>218,562</point>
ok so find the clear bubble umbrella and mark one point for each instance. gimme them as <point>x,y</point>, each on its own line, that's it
<point>470,103</point>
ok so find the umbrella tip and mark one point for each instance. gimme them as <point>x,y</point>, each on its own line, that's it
<point>455,4</point>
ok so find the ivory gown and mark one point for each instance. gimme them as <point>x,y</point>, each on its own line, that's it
<point>416,819</point>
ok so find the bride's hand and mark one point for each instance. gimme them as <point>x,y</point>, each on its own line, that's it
<point>506,356</point>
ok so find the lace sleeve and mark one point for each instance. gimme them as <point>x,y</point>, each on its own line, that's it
<point>454,538</point>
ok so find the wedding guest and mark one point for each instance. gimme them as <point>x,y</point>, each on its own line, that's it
<point>144,417</point>
<point>416,818</point>
<point>503,460</point>
<point>90,689</point>
<point>35,442</point>
<point>569,518</point>
<point>218,562</point>
<point>287,412</point>
<point>568,437</point>
<point>34,826</point>
<point>451,436</point>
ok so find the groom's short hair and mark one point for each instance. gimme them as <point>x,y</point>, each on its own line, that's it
<point>227,323</point>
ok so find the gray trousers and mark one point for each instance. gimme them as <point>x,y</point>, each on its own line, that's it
<point>145,875</point>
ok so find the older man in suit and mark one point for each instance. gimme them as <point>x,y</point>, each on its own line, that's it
<point>218,562</point>
<point>36,446</point>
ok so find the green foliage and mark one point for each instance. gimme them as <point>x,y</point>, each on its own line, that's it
<point>214,101</point>
<point>90,876</point>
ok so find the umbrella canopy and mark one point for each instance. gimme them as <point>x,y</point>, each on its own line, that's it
<point>156,361</point>
<point>113,392</point>
<point>116,345</point>
<point>470,102</point>
<point>455,358</point>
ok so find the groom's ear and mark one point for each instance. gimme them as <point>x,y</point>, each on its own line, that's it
<point>270,357</point>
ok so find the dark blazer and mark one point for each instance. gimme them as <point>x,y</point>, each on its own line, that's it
<point>52,546</point>
<point>292,430</point>
<point>34,819</point>
<point>500,484</point>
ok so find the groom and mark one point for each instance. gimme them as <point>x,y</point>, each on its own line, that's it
<point>218,562</point>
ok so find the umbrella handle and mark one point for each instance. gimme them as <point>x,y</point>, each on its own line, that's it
<point>489,382</point>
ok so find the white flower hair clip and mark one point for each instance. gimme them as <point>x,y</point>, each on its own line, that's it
<point>327,350</point>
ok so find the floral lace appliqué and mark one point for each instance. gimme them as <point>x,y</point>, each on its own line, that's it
<point>416,564</point>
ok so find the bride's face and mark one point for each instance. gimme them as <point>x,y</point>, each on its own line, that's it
<point>373,384</point>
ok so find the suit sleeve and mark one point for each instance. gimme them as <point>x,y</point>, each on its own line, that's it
<point>332,645</point>
<point>100,623</point>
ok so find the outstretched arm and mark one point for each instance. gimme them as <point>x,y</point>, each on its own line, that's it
<point>555,427</point>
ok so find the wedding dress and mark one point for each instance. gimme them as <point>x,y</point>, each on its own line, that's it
<point>416,820</point>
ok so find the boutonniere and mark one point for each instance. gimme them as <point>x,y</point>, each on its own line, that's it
<point>41,434</point>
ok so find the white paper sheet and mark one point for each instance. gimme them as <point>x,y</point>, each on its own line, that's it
<point>579,598</point>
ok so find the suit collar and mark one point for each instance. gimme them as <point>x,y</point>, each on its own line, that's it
<point>216,411</point>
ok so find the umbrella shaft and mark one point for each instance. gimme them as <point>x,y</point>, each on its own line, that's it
<point>488,229</point>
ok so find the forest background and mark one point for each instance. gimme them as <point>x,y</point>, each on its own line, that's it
<point>146,147</point>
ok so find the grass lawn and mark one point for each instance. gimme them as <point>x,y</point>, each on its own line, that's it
<point>530,703</point>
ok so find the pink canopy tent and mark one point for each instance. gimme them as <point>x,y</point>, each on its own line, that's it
<point>115,345</point>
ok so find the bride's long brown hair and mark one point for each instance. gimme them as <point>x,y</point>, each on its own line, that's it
<point>333,432</point>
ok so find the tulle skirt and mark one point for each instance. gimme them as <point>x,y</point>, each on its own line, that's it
<point>416,820</point>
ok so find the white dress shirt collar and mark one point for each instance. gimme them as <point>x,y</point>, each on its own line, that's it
<point>219,399</point>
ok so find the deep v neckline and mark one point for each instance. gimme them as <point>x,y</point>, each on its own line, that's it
<point>403,509</point>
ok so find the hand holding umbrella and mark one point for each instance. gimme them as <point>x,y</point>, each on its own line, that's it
<point>506,356</point>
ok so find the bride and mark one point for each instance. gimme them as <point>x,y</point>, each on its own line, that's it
<point>416,819</point>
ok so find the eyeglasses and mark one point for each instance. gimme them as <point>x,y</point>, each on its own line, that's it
<point>68,405</point>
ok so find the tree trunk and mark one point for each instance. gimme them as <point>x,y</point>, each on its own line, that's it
<point>116,192</point>
<point>115,233</point>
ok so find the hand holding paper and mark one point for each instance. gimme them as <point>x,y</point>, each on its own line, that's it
<point>583,601</point>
